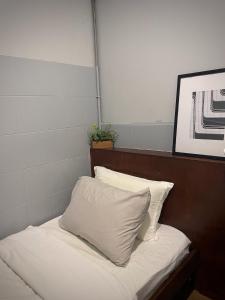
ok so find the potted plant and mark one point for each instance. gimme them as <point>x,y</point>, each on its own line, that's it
<point>102,138</point>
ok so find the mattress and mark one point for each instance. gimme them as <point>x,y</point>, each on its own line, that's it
<point>150,264</point>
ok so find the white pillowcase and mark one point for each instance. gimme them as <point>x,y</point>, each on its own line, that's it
<point>158,189</point>
<point>107,217</point>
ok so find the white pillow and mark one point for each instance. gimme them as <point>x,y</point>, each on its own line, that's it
<point>107,217</point>
<point>158,189</point>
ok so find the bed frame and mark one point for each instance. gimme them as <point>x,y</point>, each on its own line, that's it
<point>196,206</point>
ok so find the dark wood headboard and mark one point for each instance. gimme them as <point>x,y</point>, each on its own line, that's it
<point>196,204</point>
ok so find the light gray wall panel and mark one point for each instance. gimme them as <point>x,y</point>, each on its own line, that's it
<point>12,191</point>
<point>9,115</point>
<point>57,180</point>
<point>150,136</point>
<point>13,219</point>
<point>45,111</point>
<point>20,151</point>
<point>20,76</point>
<point>51,178</point>
<point>40,208</point>
<point>21,114</point>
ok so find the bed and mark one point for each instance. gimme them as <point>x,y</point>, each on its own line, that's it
<point>195,206</point>
<point>48,262</point>
<point>150,264</point>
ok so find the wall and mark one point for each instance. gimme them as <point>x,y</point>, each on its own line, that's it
<point>45,107</point>
<point>52,30</point>
<point>143,46</point>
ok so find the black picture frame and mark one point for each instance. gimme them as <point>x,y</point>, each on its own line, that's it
<point>199,124</point>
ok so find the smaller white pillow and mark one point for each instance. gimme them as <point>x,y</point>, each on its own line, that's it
<point>158,189</point>
<point>107,217</point>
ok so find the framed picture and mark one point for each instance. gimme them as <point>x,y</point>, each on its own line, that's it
<point>199,128</point>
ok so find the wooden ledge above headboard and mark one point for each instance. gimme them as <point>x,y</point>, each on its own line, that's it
<point>196,204</point>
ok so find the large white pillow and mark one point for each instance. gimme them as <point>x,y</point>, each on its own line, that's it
<point>107,217</point>
<point>158,189</point>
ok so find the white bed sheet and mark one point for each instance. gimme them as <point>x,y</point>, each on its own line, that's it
<point>55,270</point>
<point>151,261</point>
<point>12,287</point>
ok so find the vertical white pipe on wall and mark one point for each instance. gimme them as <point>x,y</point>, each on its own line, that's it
<point>98,96</point>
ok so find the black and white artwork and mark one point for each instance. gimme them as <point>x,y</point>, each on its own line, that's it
<point>209,114</point>
<point>200,114</point>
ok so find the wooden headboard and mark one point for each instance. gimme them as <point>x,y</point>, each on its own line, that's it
<point>196,204</point>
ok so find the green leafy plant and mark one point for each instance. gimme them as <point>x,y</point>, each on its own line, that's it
<point>98,134</point>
